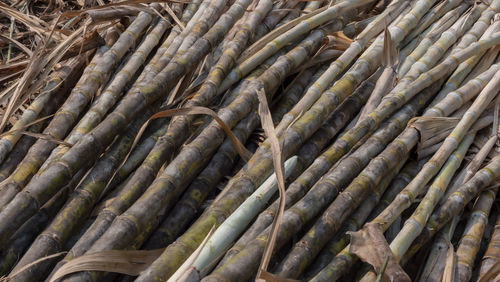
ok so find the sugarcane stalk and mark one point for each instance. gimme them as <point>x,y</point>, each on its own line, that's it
<point>53,238</point>
<point>322,193</point>
<point>235,224</point>
<point>471,239</point>
<point>355,221</point>
<point>436,14</point>
<point>57,85</point>
<point>243,183</point>
<point>434,51</point>
<point>482,30</point>
<point>189,205</point>
<point>431,36</point>
<point>456,202</point>
<point>307,155</point>
<point>193,156</point>
<point>111,94</point>
<point>97,140</point>
<point>490,257</point>
<point>315,91</point>
<point>65,118</point>
<point>300,29</point>
<point>414,225</point>
<point>446,106</point>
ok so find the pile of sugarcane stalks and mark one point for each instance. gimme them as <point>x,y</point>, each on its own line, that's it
<point>215,140</point>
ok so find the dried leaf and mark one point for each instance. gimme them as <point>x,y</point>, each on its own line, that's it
<point>449,268</point>
<point>267,124</point>
<point>370,246</point>
<point>125,262</point>
<point>28,266</point>
<point>389,53</point>
<point>432,129</point>
<point>186,269</point>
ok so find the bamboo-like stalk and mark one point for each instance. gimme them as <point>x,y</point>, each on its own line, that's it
<point>307,154</point>
<point>490,257</point>
<point>435,15</point>
<point>324,191</point>
<point>65,118</point>
<point>456,202</point>
<point>445,107</point>
<point>100,137</point>
<point>57,85</point>
<point>414,225</point>
<point>235,224</point>
<point>355,221</point>
<point>434,51</point>
<point>482,31</point>
<point>190,160</point>
<point>244,182</point>
<point>23,238</point>
<point>82,201</point>
<point>279,42</point>
<point>471,239</point>
<point>325,227</point>
<point>74,68</point>
<point>336,67</point>
<point>188,206</point>
<point>112,92</point>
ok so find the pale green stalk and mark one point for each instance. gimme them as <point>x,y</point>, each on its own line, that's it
<point>471,239</point>
<point>279,42</point>
<point>237,222</point>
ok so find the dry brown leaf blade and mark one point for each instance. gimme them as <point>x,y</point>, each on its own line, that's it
<point>370,246</point>
<point>450,266</point>
<point>268,126</point>
<point>124,262</point>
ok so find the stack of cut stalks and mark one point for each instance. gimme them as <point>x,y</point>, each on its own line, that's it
<point>267,140</point>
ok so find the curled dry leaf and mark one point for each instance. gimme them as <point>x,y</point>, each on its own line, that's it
<point>370,246</point>
<point>125,262</point>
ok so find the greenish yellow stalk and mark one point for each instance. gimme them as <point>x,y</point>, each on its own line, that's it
<point>73,214</point>
<point>435,15</point>
<point>444,33</point>
<point>323,192</point>
<point>471,239</point>
<point>355,221</point>
<point>415,224</point>
<point>316,90</point>
<point>456,202</point>
<point>492,254</point>
<point>167,187</point>
<point>481,29</point>
<point>67,115</point>
<point>113,91</point>
<point>279,42</point>
<point>59,80</point>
